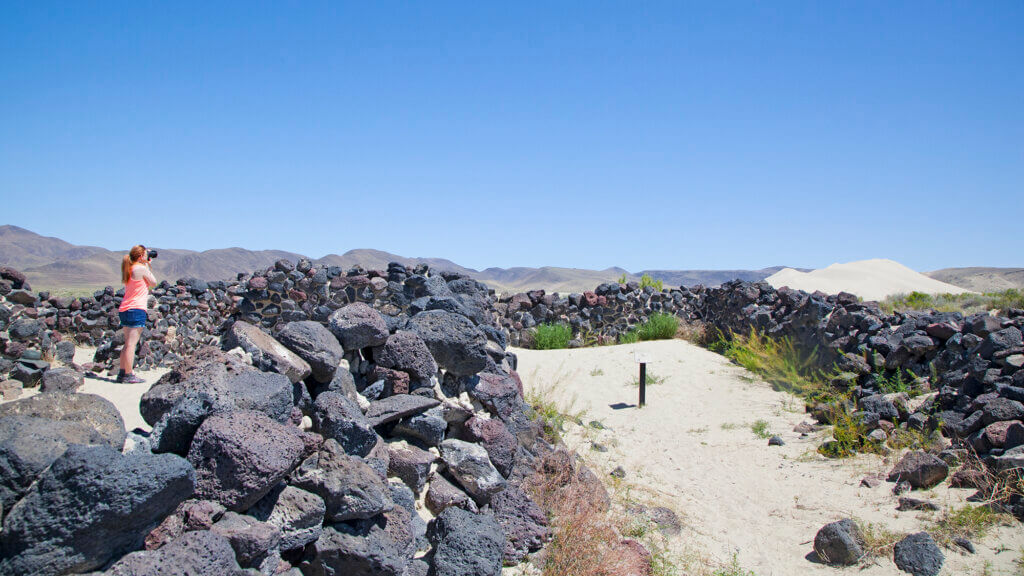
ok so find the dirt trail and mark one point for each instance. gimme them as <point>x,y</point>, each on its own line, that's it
<point>693,450</point>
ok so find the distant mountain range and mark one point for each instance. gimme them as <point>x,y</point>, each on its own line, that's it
<point>52,264</point>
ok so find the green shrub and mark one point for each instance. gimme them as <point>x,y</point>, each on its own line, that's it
<point>760,429</point>
<point>659,326</point>
<point>646,281</point>
<point>779,362</point>
<point>631,337</point>
<point>551,336</point>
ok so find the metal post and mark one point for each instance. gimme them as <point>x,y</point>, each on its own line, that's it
<point>643,383</point>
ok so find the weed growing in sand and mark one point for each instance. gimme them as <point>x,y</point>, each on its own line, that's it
<point>597,372</point>
<point>551,336</point>
<point>733,569</point>
<point>760,429</point>
<point>652,379</point>
<point>729,426</point>
<point>971,522</point>
<point>878,541</point>
<point>550,413</point>
<point>631,337</point>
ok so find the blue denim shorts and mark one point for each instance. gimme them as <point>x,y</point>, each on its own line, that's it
<point>134,318</point>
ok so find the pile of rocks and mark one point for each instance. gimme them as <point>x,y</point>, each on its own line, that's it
<point>352,443</point>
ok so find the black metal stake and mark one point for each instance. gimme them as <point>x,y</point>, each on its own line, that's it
<point>643,383</point>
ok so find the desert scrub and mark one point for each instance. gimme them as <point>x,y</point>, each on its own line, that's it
<point>779,362</point>
<point>585,541</point>
<point>646,281</point>
<point>878,541</point>
<point>965,303</point>
<point>970,522</point>
<point>760,429</point>
<point>899,381</point>
<point>551,336</point>
<point>631,337</point>
<point>659,326</point>
<point>552,415</point>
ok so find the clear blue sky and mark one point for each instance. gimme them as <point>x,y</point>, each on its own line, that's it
<point>584,134</point>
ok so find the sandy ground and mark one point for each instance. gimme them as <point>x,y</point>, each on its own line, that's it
<point>124,396</point>
<point>692,449</point>
<point>869,279</point>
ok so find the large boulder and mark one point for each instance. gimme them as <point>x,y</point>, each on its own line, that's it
<point>380,546</point>
<point>522,521</point>
<point>919,555</point>
<point>256,544</point>
<point>495,437</point>
<point>358,326</point>
<point>472,468</point>
<point>920,469</point>
<point>267,353</point>
<point>501,394</point>
<point>216,390</point>
<point>61,379</point>
<point>455,343</point>
<point>428,428</point>
<point>466,544</point>
<point>28,445</point>
<point>398,406</point>
<point>1001,340</point>
<point>199,553</point>
<point>338,418</point>
<point>351,490</point>
<point>410,464</point>
<point>1000,410</point>
<point>315,344</point>
<point>240,456</point>
<point>298,514</point>
<point>839,543</point>
<point>59,526</point>
<point>441,494</point>
<point>406,351</point>
<point>93,411</point>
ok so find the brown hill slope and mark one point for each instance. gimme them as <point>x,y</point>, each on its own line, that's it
<point>51,263</point>
<point>980,279</point>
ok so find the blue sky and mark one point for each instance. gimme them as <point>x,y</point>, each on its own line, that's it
<point>642,135</point>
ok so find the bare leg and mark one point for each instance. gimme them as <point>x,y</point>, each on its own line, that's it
<point>131,339</point>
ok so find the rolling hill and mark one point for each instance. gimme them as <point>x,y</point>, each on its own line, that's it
<point>54,264</point>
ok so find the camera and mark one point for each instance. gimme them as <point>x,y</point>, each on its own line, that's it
<point>151,254</point>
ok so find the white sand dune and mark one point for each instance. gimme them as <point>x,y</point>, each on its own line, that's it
<point>870,279</point>
<point>692,449</point>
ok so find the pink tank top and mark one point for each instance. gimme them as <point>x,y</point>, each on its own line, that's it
<point>136,294</point>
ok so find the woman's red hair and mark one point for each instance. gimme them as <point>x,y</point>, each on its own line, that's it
<point>130,258</point>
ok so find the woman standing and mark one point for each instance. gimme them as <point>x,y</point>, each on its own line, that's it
<point>137,278</point>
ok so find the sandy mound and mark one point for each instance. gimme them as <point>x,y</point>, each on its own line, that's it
<point>692,449</point>
<point>869,279</point>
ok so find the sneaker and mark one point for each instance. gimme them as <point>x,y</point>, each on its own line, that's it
<point>131,379</point>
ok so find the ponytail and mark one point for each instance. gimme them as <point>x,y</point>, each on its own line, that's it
<point>129,259</point>
<point>126,269</point>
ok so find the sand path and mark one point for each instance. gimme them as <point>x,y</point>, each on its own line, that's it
<point>124,396</point>
<point>692,449</point>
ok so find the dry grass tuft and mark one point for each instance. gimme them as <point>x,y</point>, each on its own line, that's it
<point>585,540</point>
